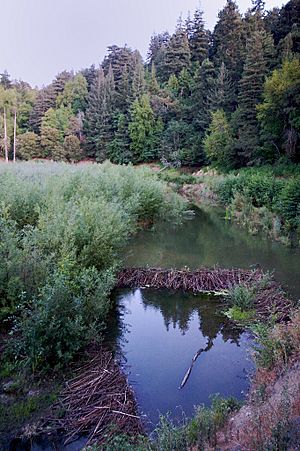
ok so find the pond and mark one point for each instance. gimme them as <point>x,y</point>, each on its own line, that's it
<point>159,333</point>
<point>208,240</point>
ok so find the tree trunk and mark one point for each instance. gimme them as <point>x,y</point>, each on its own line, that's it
<point>5,136</point>
<point>15,134</point>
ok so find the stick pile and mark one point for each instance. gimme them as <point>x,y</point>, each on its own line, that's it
<point>270,300</point>
<point>98,402</point>
<point>201,280</point>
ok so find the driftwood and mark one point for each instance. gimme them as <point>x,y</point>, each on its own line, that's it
<point>98,402</point>
<point>270,299</point>
<point>198,353</point>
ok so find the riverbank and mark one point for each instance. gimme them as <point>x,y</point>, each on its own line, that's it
<point>63,229</point>
<point>53,308</point>
<point>262,200</point>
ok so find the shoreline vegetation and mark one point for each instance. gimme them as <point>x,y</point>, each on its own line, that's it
<point>264,200</point>
<point>63,229</point>
<point>216,116</point>
<point>41,313</point>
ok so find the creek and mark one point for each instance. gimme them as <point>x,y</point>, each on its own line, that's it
<point>158,332</point>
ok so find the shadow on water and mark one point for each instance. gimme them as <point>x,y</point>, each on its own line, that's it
<point>209,240</point>
<point>158,334</point>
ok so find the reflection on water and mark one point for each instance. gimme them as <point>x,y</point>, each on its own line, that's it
<point>209,240</point>
<point>159,334</point>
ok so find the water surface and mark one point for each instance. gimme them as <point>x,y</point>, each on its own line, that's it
<point>160,332</point>
<point>209,240</point>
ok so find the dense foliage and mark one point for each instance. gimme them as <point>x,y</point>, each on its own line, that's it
<point>229,97</point>
<point>62,229</point>
<point>266,198</point>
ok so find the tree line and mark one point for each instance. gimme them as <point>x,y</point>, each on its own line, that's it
<point>230,97</point>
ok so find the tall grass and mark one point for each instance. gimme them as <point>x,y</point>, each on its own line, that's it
<point>63,228</point>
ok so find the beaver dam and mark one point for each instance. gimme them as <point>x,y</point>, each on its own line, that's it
<point>217,281</point>
<point>178,347</point>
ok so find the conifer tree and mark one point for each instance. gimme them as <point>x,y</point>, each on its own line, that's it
<point>5,80</point>
<point>45,99</point>
<point>123,94</point>
<point>218,142</point>
<point>228,42</point>
<point>153,83</point>
<point>250,94</point>
<point>144,130</point>
<point>203,84</point>
<point>255,21</point>
<point>188,26</point>
<point>98,120</point>
<point>138,80</point>
<point>157,53</point>
<point>59,82</point>
<point>90,73</point>
<point>178,55</point>
<point>119,148</point>
<point>222,94</point>
<point>74,94</point>
<point>117,58</point>
<point>199,40</point>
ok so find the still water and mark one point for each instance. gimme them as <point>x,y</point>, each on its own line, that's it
<point>209,240</point>
<point>159,334</point>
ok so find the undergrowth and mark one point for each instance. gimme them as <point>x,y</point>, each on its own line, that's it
<point>63,228</point>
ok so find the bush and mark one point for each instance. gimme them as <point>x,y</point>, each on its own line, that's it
<point>266,202</point>
<point>63,228</point>
<point>276,344</point>
<point>198,431</point>
<point>67,314</point>
<point>289,202</point>
<point>242,297</point>
<point>28,146</point>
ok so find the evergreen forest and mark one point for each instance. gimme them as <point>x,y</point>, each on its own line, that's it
<point>162,276</point>
<point>227,97</point>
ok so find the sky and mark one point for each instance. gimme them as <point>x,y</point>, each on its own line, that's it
<point>40,38</point>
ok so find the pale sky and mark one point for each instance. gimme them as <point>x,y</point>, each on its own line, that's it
<point>39,38</point>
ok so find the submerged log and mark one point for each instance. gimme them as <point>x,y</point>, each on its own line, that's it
<point>198,353</point>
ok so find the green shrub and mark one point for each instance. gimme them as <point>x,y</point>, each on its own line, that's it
<point>63,228</point>
<point>242,297</point>
<point>67,314</point>
<point>289,202</point>
<point>275,344</point>
<point>197,431</point>
<point>239,315</point>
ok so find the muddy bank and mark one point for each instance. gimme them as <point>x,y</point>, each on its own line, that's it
<point>266,416</point>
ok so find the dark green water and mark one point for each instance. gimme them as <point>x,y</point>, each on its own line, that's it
<point>209,240</point>
<point>159,332</point>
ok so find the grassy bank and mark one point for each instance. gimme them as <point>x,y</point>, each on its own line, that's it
<point>63,229</point>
